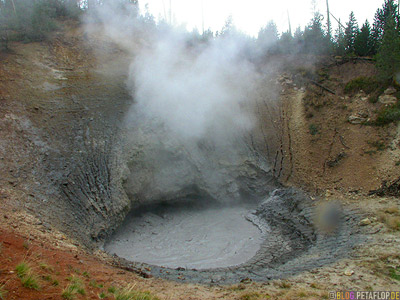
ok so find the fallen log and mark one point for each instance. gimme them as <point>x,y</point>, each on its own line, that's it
<point>391,189</point>
<point>323,87</point>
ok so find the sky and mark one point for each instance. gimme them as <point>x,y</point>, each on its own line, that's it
<point>250,15</point>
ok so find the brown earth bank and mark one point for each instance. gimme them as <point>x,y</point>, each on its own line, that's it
<point>51,91</point>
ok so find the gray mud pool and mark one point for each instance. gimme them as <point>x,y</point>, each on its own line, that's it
<point>189,237</point>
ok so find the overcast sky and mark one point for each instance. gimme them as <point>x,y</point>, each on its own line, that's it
<point>250,15</point>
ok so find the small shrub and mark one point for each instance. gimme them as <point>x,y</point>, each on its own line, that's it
<point>112,289</point>
<point>336,160</point>
<point>55,282</point>
<point>305,72</point>
<point>393,222</point>
<point>378,145</point>
<point>392,210</point>
<point>3,292</point>
<point>102,295</point>
<point>313,129</point>
<point>367,84</point>
<point>4,39</point>
<point>373,98</point>
<point>388,115</point>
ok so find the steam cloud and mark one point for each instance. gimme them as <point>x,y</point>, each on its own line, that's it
<point>191,107</point>
<point>195,93</point>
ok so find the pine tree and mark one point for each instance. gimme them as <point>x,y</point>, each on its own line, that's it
<point>228,28</point>
<point>388,56</point>
<point>285,44</point>
<point>315,40</point>
<point>362,43</point>
<point>350,34</point>
<point>339,42</point>
<point>268,35</point>
<point>389,8</point>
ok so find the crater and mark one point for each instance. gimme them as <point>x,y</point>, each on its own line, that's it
<point>197,240</point>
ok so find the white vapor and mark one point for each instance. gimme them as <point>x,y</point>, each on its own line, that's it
<point>191,111</point>
<point>195,93</point>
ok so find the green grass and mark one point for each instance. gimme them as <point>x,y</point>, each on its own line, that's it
<point>72,290</point>
<point>112,289</point>
<point>68,293</point>
<point>81,291</point>
<point>86,274</point>
<point>94,284</point>
<point>131,294</point>
<point>22,269</point>
<point>47,278</point>
<point>30,281</point>
<point>46,267</point>
<point>75,279</point>
<point>302,294</point>
<point>250,296</point>
<point>395,274</point>
<point>102,295</point>
<point>3,292</point>
<point>26,245</point>
<point>367,84</point>
<point>285,285</point>
<point>28,278</point>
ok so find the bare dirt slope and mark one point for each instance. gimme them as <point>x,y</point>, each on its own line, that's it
<point>41,88</point>
<point>325,151</point>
